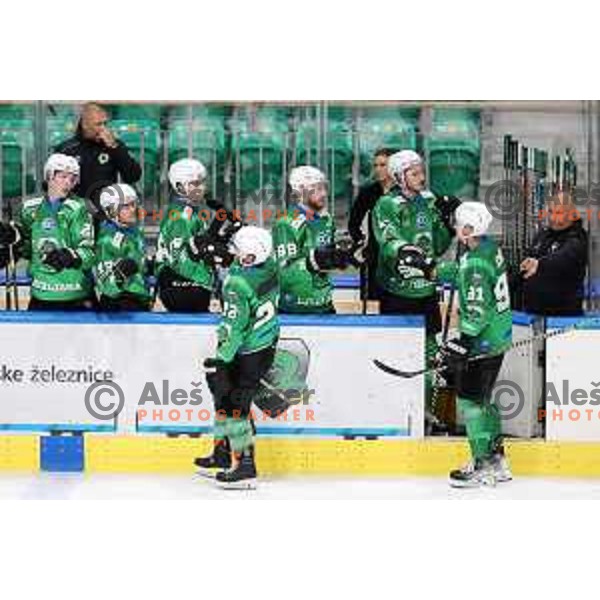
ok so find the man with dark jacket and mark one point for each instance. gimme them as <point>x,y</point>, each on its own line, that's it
<point>554,272</point>
<point>363,205</point>
<point>101,156</point>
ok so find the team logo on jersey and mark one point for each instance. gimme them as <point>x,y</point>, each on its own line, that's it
<point>48,224</point>
<point>324,238</point>
<point>103,158</point>
<point>421,220</point>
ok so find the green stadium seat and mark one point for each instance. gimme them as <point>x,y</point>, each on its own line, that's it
<point>13,112</point>
<point>204,140</point>
<point>17,163</point>
<point>64,111</point>
<point>143,140</point>
<point>198,111</point>
<point>386,127</point>
<point>135,112</point>
<point>259,151</point>
<point>59,129</point>
<point>339,155</point>
<point>454,152</point>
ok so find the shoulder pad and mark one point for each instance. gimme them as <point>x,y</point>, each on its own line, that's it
<point>298,220</point>
<point>33,202</point>
<point>235,285</point>
<point>428,195</point>
<point>395,197</point>
<point>73,203</point>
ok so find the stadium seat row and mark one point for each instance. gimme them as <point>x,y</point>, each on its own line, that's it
<point>251,148</point>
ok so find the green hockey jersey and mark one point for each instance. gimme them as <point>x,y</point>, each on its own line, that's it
<point>249,322</point>
<point>114,243</point>
<point>483,297</point>
<point>181,223</point>
<point>294,236</point>
<point>47,226</point>
<point>398,222</point>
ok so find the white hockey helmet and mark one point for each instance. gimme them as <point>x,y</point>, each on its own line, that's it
<point>305,177</point>
<point>113,197</point>
<point>60,162</point>
<point>399,162</point>
<point>183,171</point>
<point>254,241</point>
<point>475,215</point>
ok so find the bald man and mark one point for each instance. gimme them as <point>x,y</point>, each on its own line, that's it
<point>101,156</point>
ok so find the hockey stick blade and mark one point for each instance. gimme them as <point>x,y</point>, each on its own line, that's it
<point>397,372</point>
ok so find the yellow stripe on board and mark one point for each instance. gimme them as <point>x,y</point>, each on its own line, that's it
<point>293,456</point>
<point>19,453</point>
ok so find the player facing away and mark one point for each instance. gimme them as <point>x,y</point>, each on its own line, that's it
<point>185,263</point>
<point>56,235</point>
<point>247,337</point>
<point>304,241</point>
<point>120,253</point>
<point>485,332</point>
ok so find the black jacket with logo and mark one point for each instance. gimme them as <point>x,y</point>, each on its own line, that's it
<point>557,287</point>
<point>363,206</point>
<point>100,166</point>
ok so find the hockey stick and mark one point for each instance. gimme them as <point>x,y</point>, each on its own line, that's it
<point>445,329</point>
<point>364,286</point>
<point>10,285</point>
<point>516,345</point>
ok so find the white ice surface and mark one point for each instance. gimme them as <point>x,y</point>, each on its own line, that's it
<point>54,486</point>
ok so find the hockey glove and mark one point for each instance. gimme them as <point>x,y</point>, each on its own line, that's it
<point>412,262</point>
<point>455,353</point>
<point>4,256</point>
<point>124,269</point>
<point>447,206</point>
<point>327,258</point>
<point>213,252</point>
<point>62,258</point>
<point>9,234</point>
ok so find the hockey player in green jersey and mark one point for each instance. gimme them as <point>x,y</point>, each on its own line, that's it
<point>120,254</point>
<point>247,338</point>
<point>186,257</point>
<point>305,247</point>
<point>55,234</point>
<point>485,329</point>
<point>412,230</point>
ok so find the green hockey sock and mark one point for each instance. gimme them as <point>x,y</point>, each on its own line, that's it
<point>219,429</point>
<point>483,426</point>
<point>239,432</point>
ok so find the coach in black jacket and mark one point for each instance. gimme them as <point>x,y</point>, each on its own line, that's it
<point>101,156</point>
<point>554,272</point>
<point>363,205</point>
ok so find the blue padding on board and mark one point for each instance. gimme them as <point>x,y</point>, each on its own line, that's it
<point>287,431</point>
<point>587,321</point>
<point>49,427</point>
<point>62,454</point>
<point>346,281</point>
<point>521,318</point>
<point>135,318</point>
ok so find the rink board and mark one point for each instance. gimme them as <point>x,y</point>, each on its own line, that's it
<point>572,407</point>
<point>283,456</point>
<point>54,359</point>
